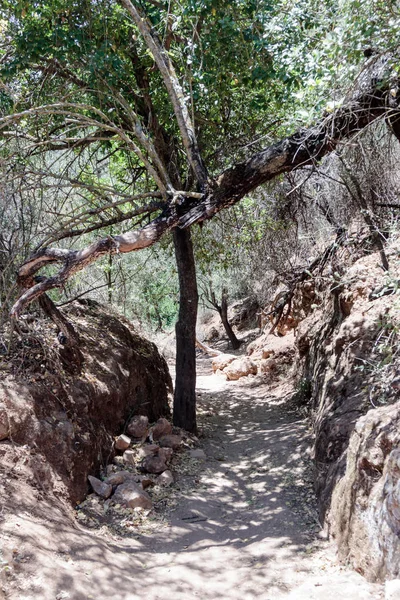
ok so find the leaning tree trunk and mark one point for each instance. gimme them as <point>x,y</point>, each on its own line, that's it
<point>223,313</point>
<point>185,383</point>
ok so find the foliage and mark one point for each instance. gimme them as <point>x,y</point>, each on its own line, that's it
<point>250,71</point>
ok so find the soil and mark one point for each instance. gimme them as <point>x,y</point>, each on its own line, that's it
<point>241,524</point>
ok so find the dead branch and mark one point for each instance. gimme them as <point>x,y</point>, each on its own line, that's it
<point>207,349</point>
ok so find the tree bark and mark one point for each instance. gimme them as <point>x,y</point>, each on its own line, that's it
<point>225,322</point>
<point>184,413</point>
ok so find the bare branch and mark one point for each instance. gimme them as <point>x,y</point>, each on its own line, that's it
<point>105,124</point>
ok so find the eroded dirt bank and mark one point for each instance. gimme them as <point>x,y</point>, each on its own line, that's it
<point>243,524</point>
<point>57,421</point>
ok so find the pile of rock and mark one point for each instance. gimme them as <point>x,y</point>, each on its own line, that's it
<point>142,460</point>
<point>233,367</point>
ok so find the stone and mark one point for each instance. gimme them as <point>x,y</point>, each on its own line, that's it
<point>392,589</point>
<point>118,461</point>
<point>241,367</point>
<point>4,423</point>
<point>118,477</point>
<point>171,441</point>
<point>146,482</point>
<point>129,457</point>
<point>165,478</point>
<point>138,427</point>
<point>161,428</point>
<point>198,454</point>
<point>122,442</point>
<point>153,464</point>
<point>101,488</point>
<point>130,494</point>
<point>165,454</point>
<point>267,353</point>
<point>221,361</point>
<point>268,366</point>
<point>148,450</point>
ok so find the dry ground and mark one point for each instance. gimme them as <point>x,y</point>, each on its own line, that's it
<point>245,528</point>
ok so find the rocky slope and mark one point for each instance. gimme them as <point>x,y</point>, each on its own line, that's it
<point>348,354</point>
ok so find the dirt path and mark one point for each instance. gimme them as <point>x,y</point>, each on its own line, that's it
<point>247,529</point>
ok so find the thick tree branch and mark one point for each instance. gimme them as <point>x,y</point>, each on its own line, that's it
<point>305,147</point>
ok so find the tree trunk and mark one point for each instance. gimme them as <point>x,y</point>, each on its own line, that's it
<point>223,313</point>
<point>185,383</point>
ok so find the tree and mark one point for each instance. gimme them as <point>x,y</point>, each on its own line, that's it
<point>107,75</point>
<point>222,309</point>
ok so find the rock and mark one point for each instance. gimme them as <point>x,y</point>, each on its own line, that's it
<point>364,514</point>
<point>171,441</point>
<point>161,428</point>
<point>153,464</point>
<point>212,335</point>
<point>4,423</point>
<point>118,461</point>
<point>222,361</point>
<point>122,442</point>
<point>138,427</point>
<point>267,352</point>
<point>198,454</point>
<point>165,478</point>
<point>148,450</point>
<point>392,589</point>
<point>101,488</point>
<point>129,457</point>
<point>132,495</point>
<point>146,482</point>
<point>268,366</point>
<point>165,454</point>
<point>118,477</point>
<point>241,367</point>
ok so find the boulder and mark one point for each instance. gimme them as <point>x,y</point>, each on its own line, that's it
<point>161,428</point>
<point>165,454</point>
<point>102,489</point>
<point>132,495</point>
<point>222,361</point>
<point>122,442</point>
<point>148,450</point>
<point>4,423</point>
<point>268,366</point>
<point>146,482</point>
<point>364,515</point>
<point>165,479</point>
<point>129,457</point>
<point>118,477</point>
<point>153,464</point>
<point>240,367</point>
<point>171,441</point>
<point>138,427</point>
